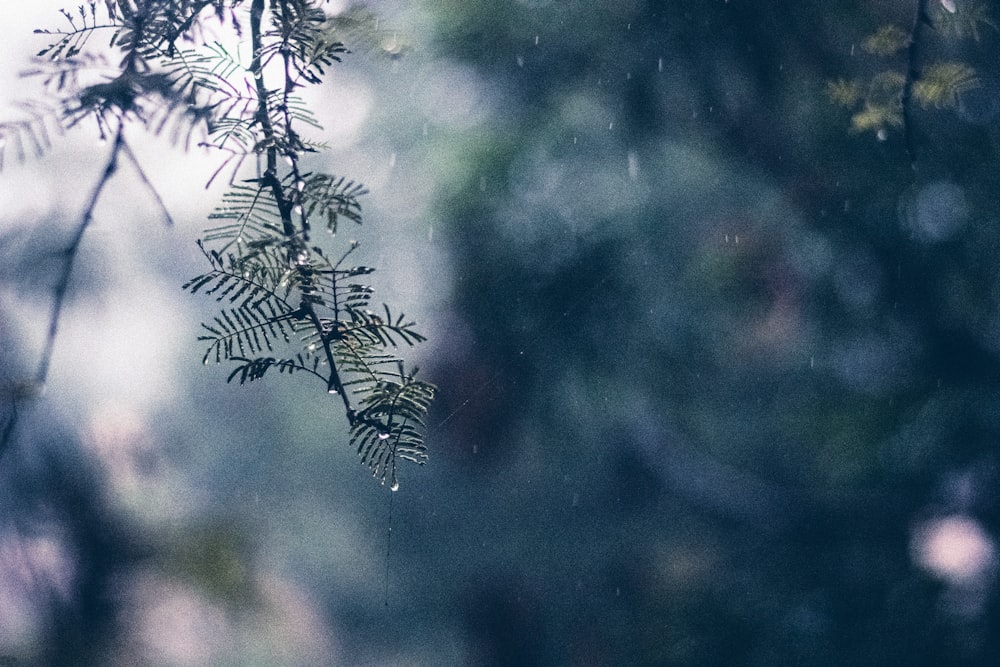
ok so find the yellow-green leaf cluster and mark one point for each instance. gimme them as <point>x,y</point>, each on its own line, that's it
<point>941,84</point>
<point>877,117</point>
<point>843,93</point>
<point>887,41</point>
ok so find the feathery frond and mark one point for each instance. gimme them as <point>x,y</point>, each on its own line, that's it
<point>283,303</point>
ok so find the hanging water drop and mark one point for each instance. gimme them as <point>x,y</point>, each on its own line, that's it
<point>395,486</point>
<point>332,391</point>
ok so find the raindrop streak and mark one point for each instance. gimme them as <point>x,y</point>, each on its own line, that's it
<point>659,64</point>
<point>633,165</point>
<point>388,545</point>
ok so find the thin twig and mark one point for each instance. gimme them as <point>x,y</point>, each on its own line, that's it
<point>285,205</point>
<point>127,152</point>
<point>62,284</point>
<point>70,253</point>
<point>912,74</point>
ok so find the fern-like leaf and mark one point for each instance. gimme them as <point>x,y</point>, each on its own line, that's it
<point>941,84</point>
<point>888,40</point>
<point>250,370</point>
<point>332,198</point>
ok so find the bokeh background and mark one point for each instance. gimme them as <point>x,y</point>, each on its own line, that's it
<point>718,374</point>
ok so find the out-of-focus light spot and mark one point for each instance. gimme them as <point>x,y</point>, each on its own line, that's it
<point>176,625</point>
<point>455,96</point>
<point>955,549</point>
<point>32,570</point>
<point>936,212</point>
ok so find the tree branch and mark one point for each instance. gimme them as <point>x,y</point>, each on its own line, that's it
<point>285,205</point>
<point>62,285</point>
<point>912,74</point>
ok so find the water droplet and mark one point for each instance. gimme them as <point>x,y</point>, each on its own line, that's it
<point>383,436</point>
<point>881,135</point>
<point>298,209</point>
<point>300,185</point>
<point>395,486</point>
<point>312,347</point>
<point>520,61</point>
<point>611,125</point>
<point>332,391</point>
<point>536,40</point>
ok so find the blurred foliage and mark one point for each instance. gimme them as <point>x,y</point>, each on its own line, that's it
<point>941,84</point>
